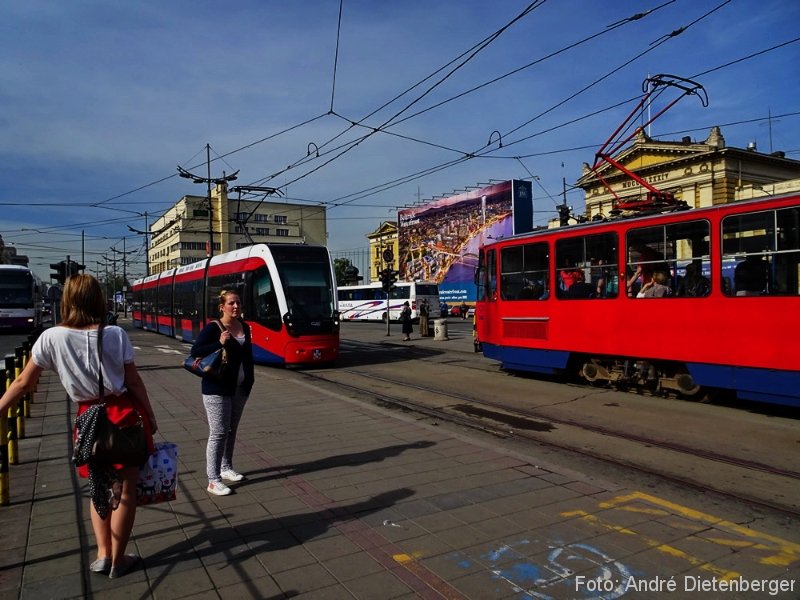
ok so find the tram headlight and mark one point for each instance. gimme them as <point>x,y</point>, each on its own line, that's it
<point>336,321</point>
<point>287,321</point>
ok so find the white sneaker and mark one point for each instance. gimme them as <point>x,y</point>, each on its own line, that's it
<point>218,488</point>
<point>231,475</point>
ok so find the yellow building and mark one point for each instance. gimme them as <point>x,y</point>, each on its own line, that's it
<point>182,235</point>
<point>698,173</point>
<point>383,239</point>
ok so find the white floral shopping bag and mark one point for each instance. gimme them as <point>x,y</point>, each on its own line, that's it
<point>158,477</point>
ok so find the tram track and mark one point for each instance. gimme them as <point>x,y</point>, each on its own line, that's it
<point>623,449</point>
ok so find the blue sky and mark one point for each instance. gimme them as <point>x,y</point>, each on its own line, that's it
<point>100,101</point>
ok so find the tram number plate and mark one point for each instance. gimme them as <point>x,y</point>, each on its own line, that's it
<point>316,354</point>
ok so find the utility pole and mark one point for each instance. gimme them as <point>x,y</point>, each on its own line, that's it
<point>208,181</point>
<point>124,275</point>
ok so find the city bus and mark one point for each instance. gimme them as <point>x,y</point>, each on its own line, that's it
<point>20,298</point>
<point>368,302</point>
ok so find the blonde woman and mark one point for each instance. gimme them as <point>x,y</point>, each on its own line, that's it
<point>71,350</point>
<point>224,398</point>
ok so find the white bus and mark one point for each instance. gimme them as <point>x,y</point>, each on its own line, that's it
<point>20,298</point>
<point>368,302</point>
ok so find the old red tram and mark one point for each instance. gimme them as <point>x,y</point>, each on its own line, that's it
<point>579,300</point>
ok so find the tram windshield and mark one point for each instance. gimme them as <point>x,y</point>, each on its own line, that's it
<point>308,289</point>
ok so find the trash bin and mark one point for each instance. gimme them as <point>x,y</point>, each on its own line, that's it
<point>440,330</point>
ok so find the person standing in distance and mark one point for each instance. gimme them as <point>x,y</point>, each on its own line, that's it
<point>224,399</point>
<point>405,319</point>
<point>71,351</point>
<point>424,310</point>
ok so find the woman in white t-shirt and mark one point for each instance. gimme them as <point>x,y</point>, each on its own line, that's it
<point>71,351</point>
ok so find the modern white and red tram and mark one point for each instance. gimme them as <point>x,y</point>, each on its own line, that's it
<point>582,300</point>
<point>288,295</point>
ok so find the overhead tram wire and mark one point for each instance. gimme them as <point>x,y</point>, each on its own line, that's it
<point>353,124</point>
<point>480,47</point>
<point>336,54</point>
<point>432,169</point>
<point>486,149</point>
<point>383,128</point>
<point>476,153</point>
<point>748,57</point>
<point>608,29</point>
<point>308,121</point>
<point>664,39</point>
<point>419,174</point>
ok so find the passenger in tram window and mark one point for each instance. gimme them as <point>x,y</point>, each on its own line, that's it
<point>750,277</point>
<point>611,287</point>
<point>580,288</point>
<point>568,276</point>
<point>533,290</point>
<point>598,276</point>
<point>694,284</point>
<point>655,288</point>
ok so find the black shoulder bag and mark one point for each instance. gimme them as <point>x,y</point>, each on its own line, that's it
<point>116,445</point>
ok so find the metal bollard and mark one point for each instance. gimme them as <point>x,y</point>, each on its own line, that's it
<point>11,417</point>
<point>5,487</point>
<point>19,357</point>
<point>28,398</point>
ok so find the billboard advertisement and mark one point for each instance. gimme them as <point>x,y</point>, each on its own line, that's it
<point>439,241</point>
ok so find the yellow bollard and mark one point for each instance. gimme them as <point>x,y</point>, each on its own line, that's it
<point>11,417</point>
<point>5,487</point>
<point>18,359</point>
<point>28,398</point>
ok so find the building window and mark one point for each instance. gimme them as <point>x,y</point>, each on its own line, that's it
<point>280,219</point>
<point>200,212</point>
<point>260,218</point>
<point>282,232</point>
<point>262,230</point>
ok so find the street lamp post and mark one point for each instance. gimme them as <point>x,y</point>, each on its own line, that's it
<point>208,181</point>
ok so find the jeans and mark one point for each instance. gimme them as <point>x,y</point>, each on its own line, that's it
<point>224,413</point>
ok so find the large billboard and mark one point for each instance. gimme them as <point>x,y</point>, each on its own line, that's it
<point>439,241</point>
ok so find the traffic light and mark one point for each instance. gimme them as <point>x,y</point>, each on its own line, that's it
<point>388,278</point>
<point>74,268</point>
<point>564,214</point>
<point>60,274</point>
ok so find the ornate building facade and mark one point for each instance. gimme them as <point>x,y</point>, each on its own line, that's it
<point>698,173</point>
<point>383,239</point>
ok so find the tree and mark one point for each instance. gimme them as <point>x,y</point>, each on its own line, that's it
<point>339,266</point>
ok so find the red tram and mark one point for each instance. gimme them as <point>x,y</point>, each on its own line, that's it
<point>288,294</point>
<point>679,302</point>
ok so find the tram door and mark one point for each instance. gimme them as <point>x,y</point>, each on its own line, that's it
<point>486,308</point>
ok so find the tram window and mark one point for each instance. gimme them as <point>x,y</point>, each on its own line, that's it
<point>233,282</point>
<point>587,267</point>
<point>524,272</point>
<point>491,272</point>
<point>265,301</point>
<point>761,253</point>
<point>669,261</point>
<point>480,275</point>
